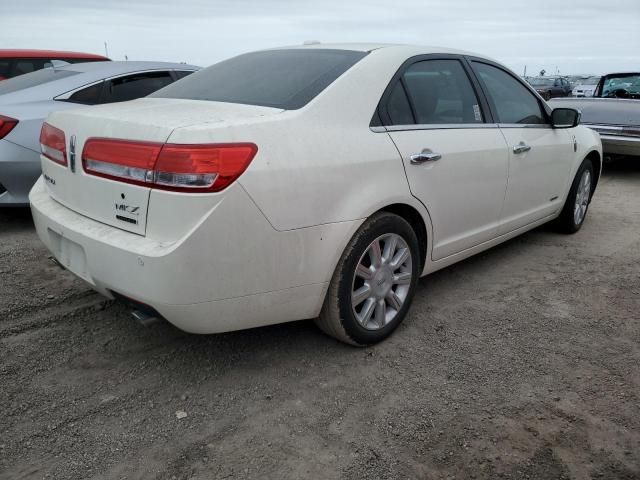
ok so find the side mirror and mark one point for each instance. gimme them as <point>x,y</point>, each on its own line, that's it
<point>565,118</point>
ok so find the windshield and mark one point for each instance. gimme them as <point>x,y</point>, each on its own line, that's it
<point>287,79</point>
<point>621,86</point>
<point>541,82</point>
<point>33,79</point>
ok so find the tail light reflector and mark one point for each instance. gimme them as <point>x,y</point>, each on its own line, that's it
<point>53,144</point>
<point>6,124</point>
<point>175,167</point>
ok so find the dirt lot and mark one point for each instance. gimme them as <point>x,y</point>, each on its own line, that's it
<point>523,362</point>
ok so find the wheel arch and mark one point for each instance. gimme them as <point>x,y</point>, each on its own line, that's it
<point>596,159</point>
<point>417,222</point>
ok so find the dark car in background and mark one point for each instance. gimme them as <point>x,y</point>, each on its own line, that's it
<point>19,62</point>
<point>613,112</point>
<point>551,87</point>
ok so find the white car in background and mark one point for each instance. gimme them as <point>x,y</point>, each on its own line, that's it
<point>585,87</point>
<point>317,181</point>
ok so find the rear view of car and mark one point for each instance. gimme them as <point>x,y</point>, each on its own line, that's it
<point>306,182</point>
<point>137,196</point>
<point>19,62</point>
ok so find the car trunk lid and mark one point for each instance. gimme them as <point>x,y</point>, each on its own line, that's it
<point>116,203</point>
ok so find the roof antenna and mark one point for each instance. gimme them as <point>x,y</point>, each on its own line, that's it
<point>311,42</point>
<point>106,50</point>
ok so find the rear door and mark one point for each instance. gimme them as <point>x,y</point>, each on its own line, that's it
<point>539,156</point>
<point>455,158</point>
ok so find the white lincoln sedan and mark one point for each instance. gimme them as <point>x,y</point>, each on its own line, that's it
<point>307,182</point>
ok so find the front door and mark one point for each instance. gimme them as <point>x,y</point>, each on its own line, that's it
<point>539,156</point>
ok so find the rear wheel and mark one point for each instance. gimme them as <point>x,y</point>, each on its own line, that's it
<point>575,208</point>
<point>374,282</point>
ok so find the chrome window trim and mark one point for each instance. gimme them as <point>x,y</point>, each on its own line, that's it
<point>524,125</point>
<point>435,126</point>
<point>455,126</point>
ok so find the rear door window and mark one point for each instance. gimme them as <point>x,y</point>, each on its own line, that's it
<point>287,79</point>
<point>135,86</point>
<point>439,92</point>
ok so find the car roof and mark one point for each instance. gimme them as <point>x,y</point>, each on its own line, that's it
<point>370,47</point>
<point>46,54</point>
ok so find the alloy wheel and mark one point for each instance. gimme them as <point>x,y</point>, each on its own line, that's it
<point>382,281</point>
<point>582,197</point>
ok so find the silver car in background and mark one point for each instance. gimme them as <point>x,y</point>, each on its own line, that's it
<point>585,87</point>
<point>26,100</point>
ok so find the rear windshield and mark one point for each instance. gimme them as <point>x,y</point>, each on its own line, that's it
<point>287,79</point>
<point>33,79</point>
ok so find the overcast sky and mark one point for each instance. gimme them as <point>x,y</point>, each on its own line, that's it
<point>575,36</point>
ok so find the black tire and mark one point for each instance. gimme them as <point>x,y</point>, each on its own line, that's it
<point>337,317</point>
<point>566,222</point>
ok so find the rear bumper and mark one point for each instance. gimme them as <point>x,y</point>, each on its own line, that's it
<point>19,170</point>
<point>233,271</point>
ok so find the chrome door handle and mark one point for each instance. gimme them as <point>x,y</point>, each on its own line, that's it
<point>425,156</point>
<point>521,148</point>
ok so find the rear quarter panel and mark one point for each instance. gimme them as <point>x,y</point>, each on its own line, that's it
<point>321,164</point>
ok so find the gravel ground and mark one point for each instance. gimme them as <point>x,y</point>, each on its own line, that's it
<point>522,362</point>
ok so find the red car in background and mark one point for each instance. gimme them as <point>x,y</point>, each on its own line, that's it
<point>17,62</point>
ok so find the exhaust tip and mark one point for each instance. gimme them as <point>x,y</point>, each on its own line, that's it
<point>144,318</point>
<point>143,313</point>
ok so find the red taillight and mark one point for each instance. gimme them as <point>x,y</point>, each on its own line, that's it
<point>53,144</point>
<point>180,168</point>
<point>120,159</point>
<point>209,168</point>
<point>6,124</point>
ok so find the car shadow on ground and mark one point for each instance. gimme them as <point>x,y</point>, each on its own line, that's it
<point>15,218</point>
